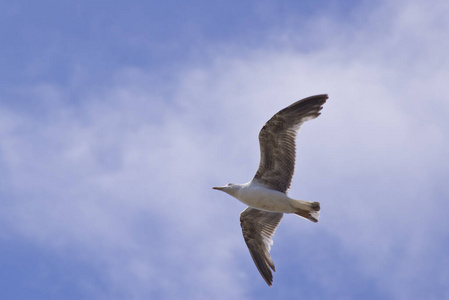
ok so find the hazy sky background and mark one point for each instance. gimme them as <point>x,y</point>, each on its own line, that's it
<point>117,118</point>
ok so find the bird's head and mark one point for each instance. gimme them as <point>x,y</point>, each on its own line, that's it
<point>230,188</point>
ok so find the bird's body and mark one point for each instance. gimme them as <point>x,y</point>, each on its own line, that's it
<point>261,197</point>
<point>255,195</point>
<point>266,194</point>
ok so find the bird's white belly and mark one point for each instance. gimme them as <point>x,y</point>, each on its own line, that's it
<point>265,199</point>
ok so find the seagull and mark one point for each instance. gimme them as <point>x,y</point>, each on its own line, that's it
<point>266,194</point>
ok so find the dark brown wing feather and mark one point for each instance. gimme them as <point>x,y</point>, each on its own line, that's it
<point>258,228</point>
<point>278,142</point>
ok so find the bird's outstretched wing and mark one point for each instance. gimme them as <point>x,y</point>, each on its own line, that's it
<point>278,142</point>
<point>258,228</point>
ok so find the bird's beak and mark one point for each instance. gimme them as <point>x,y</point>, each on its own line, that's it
<point>220,188</point>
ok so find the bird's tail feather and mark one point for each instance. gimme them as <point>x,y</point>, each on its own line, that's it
<point>308,210</point>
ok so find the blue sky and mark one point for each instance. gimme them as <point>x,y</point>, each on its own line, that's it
<point>117,119</point>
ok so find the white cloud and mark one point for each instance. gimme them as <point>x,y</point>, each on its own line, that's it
<point>124,178</point>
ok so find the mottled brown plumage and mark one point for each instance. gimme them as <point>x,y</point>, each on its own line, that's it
<point>258,228</point>
<point>277,141</point>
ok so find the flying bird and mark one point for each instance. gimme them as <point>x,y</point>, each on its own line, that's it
<point>266,194</point>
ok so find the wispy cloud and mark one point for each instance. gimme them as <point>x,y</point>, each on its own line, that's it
<point>121,178</point>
